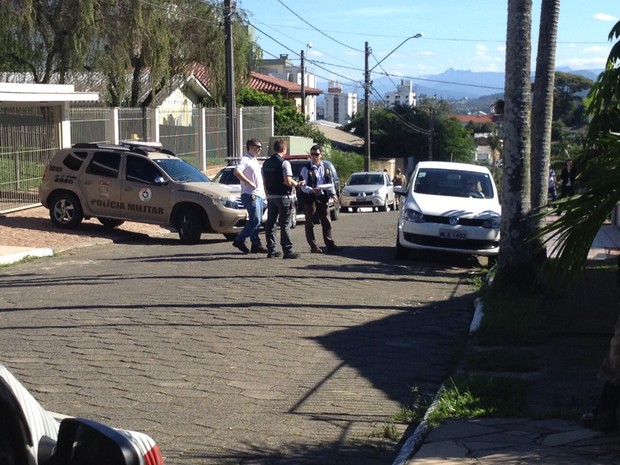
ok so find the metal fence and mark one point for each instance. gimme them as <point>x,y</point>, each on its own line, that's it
<point>28,139</point>
<point>25,147</point>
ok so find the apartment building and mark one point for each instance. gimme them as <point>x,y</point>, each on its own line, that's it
<point>339,106</point>
<point>404,94</point>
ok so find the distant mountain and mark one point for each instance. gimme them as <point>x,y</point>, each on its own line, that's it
<point>453,84</point>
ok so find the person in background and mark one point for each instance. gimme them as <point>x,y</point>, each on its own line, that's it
<point>553,193</point>
<point>568,177</point>
<point>315,195</point>
<point>248,171</point>
<point>279,184</point>
<point>399,179</point>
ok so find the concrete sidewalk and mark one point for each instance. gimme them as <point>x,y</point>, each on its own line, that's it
<point>529,441</point>
<point>10,254</point>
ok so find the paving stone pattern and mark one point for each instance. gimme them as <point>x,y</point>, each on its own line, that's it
<point>225,358</point>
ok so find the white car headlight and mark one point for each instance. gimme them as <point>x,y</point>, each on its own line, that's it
<point>492,223</point>
<point>413,216</point>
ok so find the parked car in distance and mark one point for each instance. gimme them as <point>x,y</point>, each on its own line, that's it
<point>368,189</point>
<point>452,207</point>
<point>137,181</point>
<point>297,163</point>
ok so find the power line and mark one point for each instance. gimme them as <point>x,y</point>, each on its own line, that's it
<point>318,30</point>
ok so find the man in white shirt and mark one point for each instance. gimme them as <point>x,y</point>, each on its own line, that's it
<point>248,171</point>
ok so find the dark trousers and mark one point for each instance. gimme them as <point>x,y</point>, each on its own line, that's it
<point>321,208</point>
<point>279,208</point>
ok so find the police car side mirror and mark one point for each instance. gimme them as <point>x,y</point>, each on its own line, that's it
<point>160,181</point>
<point>86,442</point>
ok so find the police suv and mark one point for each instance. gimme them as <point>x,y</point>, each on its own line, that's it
<point>141,182</point>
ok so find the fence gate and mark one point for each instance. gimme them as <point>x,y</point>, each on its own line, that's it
<point>25,150</point>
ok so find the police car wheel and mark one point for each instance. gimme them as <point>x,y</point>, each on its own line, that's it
<point>189,226</point>
<point>66,210</point>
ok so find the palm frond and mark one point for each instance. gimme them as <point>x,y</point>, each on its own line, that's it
<point>571,235</point>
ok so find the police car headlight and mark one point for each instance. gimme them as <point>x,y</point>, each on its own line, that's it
<point>229,202</point>
<point>413,216</point>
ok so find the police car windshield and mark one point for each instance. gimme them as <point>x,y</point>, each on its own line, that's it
<point>181,171</point>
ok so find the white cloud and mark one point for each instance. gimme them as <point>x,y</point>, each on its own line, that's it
<point>596,49</point>
<point>605,17</point>
<point>583,63</point>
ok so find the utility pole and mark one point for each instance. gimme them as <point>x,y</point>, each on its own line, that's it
<point>231,106</point>
<point>431,128</point>
<point>303,85</point>
<point>367,84</point>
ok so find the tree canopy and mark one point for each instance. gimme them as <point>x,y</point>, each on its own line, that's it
<point>119,37</point>
<point>403,131</point>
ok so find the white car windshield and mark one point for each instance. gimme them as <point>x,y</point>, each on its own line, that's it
<point>365,179</point>
<point>181,171</point>
<point>453,183</point>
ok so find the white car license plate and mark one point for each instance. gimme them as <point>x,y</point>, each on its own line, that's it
<point>449,234</point>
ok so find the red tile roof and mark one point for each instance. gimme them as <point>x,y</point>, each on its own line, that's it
<point>271,85</point>
<point>475,119</point>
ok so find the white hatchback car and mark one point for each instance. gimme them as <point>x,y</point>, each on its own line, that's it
<point>451,207</point>
<point>368,189</point>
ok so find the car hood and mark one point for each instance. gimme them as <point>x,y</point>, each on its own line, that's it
<point>236,188</point>
<point>209,188</point>
<point>437,205</point>
<point>363,188</point>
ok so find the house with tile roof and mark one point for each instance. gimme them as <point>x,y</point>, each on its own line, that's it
<point>289,90</point>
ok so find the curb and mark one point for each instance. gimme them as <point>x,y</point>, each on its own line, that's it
<point>12,255</point>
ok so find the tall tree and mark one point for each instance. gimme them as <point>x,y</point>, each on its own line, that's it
<point>514,267</point>
<point>568,104</point>
<point>44,37</point>
<point>542,106</point>
<point>133,43</point>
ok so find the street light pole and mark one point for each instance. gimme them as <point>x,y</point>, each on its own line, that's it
<point>231,106</point>
<point>367,52</point>
<point>303,79</point>
<point>367,84</point>
<point>303,85</point>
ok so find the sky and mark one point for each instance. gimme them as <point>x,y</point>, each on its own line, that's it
<point>457,34</point>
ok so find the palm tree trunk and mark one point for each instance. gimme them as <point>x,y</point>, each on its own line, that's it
<point>542,106</point>
<point>514,268</point>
